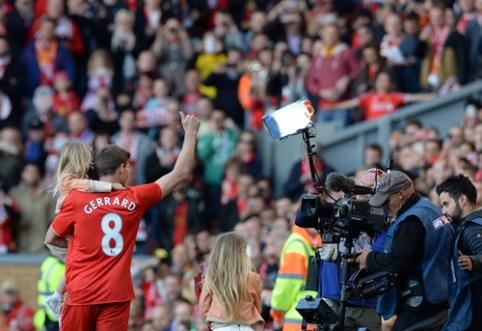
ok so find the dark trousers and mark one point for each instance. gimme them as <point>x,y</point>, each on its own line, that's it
<point>429,319</point>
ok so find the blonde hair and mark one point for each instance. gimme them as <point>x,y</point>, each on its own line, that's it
<point>227,272</point>
<point>75,158</point>
<point>105,58</point>
<point>124,14</point>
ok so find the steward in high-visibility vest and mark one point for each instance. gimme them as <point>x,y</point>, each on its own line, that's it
<point>291,279</point>
<point>51,271</point>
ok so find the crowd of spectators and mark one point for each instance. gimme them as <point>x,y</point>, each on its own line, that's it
<point>119,71</point>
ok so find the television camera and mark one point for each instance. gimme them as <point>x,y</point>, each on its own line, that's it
<point>341,219</point>
<point>345,217</point>
<point>344,220</point>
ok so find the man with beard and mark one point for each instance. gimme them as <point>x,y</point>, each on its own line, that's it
<point>458,198</point>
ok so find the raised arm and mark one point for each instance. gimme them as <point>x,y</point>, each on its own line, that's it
<point>352,103</point>
<point>420,97</point>
<point>184,162</point>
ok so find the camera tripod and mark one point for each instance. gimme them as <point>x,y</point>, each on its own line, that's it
<point>317,311</point>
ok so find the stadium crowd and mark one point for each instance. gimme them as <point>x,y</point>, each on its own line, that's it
<point>119,71</point>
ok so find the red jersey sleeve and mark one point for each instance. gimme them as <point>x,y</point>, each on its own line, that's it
<point>148,194</point>
<point>362,100</point>
<point>63,223</point>
<point>398,99</point>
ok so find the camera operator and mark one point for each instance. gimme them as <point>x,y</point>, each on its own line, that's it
<point>359,313</point>
<point>420,300</point>
<point>458,198</point>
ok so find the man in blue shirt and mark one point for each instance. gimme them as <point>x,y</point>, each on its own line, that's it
<point>458,199</point>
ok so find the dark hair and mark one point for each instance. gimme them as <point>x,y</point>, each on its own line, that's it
<point>411,16</point>
<point>254,143</point>
<point>470,144</point>
<point>373,45</point>
<point>438,142</point>
<point>466,166</point>
<point>371,31</point>
<point>415,122</point>
<point>235,161</point>
<point>109,159</point>
<point>375,147</point>
<point>438,5</point>
<point>48,20</point>
<point>219,110</point>
<point>391,75</point>
<point>236,49</point>
<point>126,110</point>
<point>363,13</point>
<point>476,103</point>
<point>455,186</point>
<point>39,165</point>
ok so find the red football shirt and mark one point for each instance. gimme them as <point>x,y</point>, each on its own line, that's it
<point>376,105</point>
<point>103,228</point>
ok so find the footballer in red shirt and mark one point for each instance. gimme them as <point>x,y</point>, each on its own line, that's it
<point>103,229</point>
<point>106,227</point>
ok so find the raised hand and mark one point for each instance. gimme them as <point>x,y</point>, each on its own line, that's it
<point>189,123</point>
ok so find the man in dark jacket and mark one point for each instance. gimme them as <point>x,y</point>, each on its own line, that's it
<point>418,248</point>
<point>458,198</point>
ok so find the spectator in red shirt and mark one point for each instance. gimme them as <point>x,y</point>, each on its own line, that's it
<point>383,100</point>
<point>66,100</point>
<point>101,253</point>
<point>18,316</point>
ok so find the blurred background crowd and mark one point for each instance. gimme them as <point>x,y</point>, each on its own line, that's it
<point>119,71</point>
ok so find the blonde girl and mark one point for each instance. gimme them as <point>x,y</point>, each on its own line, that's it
<point>231,294</point>
<point>74,163</point>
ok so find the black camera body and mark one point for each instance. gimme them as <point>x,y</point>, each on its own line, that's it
<point>316,311</point>
<point>346,217</point>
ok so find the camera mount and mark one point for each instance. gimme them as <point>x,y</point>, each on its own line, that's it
<point>307,134</point>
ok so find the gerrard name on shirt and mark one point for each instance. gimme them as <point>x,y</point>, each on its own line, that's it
<point>106,201</point>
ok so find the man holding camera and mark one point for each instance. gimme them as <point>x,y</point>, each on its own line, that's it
<point>418,248</point>
<point>358,312</point>
<point>458,199</point>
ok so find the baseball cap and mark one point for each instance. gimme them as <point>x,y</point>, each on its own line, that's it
<point>36,124</point>
<point>9,285</point>
<point>391,183</point>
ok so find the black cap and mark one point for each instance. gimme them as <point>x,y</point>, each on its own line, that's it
<point>392,183</point>
<point>36,124</point>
